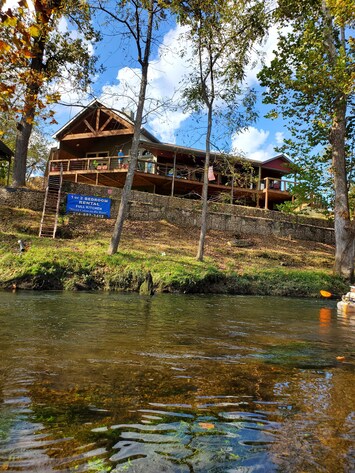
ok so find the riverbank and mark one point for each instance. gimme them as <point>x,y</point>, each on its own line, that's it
<point>234,264</point>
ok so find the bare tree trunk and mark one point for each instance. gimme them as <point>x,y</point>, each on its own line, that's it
<point>126,193</point>
<point>204,213</point>
<point>344,231</point>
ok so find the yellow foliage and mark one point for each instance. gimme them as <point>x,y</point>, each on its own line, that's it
<point>10,21</point>
<point>4,47</point>
<point>342,10</point>
<point>34,31</point>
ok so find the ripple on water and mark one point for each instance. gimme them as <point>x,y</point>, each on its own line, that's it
<point>24,446</point>
<point>174,441</point>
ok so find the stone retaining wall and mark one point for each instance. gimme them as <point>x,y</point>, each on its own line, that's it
<point>232,218</point>
<point>22,198</point>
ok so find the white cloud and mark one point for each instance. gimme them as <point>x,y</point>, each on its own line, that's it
<point>165,127</point>
<point>250,139</point>
<point>164,76</point>
<point>279,137</point>
<point>262,54</point>
<point>255,144</point>
<point>124,94</point>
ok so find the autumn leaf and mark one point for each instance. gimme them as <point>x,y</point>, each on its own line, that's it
<point>4,47</point>
<point>10,21</point>
<point>26,53</point>
<point>34,31</point>
<point>7,89</point>
<point>206,425</point>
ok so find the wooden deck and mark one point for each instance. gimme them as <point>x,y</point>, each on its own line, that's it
<point>163,179</point>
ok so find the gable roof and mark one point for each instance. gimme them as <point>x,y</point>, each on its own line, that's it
<point>5,152</point>
<point>279,163</point>
<point>99,120</point>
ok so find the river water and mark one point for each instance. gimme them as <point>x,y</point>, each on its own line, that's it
<point>174,383</point>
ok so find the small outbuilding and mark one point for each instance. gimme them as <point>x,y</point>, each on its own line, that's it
<point>6,155</point>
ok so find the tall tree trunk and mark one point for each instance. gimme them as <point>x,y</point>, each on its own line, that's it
<point>344,232</point>
<point>126,192</point>
<point>24,129</point>
<point>204,213</point>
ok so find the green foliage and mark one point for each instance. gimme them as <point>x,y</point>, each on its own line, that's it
<point>239,171</point>
<point>98,466</point>
<point>38,150</point>
<point>310,82</point>
<point>287,283</point>
<point>223,36</point>
<point>3,172</point>
<point>352,199</point>
<point>312,72</point>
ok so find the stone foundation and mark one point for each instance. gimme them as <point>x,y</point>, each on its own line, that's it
<point>224,217</point>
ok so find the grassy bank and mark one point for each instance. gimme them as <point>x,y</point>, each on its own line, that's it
<point>79,261</point>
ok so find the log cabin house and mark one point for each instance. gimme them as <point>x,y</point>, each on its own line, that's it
<point>94,148</point>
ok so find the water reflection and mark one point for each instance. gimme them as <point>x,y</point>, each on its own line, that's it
<point>92,382</point>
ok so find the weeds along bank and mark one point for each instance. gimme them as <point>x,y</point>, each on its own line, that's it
<point>79,261</point>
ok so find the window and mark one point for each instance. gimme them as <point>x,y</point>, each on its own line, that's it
<point>97,154</point>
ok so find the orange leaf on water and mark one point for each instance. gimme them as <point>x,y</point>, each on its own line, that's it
<point>206,425</point>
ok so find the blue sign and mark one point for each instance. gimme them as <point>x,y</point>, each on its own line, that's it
<point>89,205</point>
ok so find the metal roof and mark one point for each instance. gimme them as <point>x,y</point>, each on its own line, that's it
<point>200,153</point>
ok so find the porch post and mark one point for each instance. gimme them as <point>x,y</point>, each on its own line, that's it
<point>258,188</point>
<point>267,193</point>
<point>259,179</point>
<point>173,181</point>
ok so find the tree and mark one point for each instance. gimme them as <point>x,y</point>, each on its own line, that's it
<point>311,84</point>
<point>312,185</point>
<point>239,171</point>
<point>35,54</point>
<point>38,147</point>
<point>140,19</point>
<point>222,35</point>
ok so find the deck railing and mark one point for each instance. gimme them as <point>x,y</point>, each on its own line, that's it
<point>112,163</point>
<point>273,183</point>
<point>149,166</point>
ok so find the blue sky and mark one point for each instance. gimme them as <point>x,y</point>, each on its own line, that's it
<point>118,86</point>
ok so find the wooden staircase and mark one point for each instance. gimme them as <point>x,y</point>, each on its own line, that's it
<point>51,205</point>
